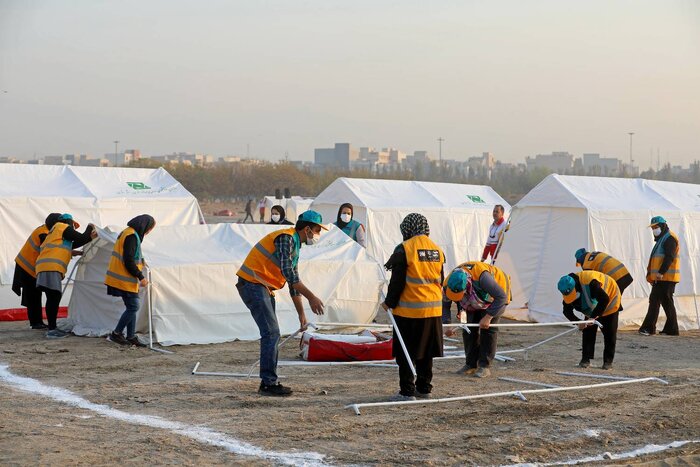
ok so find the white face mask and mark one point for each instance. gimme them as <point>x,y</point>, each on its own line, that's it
<point>312,239</point>
<point>656,231</point>
<point>345,218</point>
<point>275,217</point>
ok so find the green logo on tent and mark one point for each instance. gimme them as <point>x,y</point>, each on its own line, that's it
<point>476,199</point>
<point>138,185</point>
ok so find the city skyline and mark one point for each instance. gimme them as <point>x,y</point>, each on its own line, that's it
<point>237,78</point>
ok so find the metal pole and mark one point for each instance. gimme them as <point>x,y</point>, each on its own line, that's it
<point>524,325</point>
<point>149,296</point>
<point>403,345</point>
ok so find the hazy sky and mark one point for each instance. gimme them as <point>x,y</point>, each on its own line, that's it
<point>515,78</point>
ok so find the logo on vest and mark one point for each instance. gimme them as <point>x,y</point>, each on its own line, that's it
<point>138,186</point>
<point>430,256</point>
<point>476,199</point>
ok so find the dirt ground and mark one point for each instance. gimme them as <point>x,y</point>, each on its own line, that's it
<point>36,430</point>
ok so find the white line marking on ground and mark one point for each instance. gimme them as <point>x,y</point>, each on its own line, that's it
<point>198,433</point>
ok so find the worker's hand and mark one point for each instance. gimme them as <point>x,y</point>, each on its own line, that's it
<point>316,305</point>
<point>76,253</point>
<point>449,332</point>
<point>583,326</point>
<point>658,277</point>
<point>385,306</point>
<point>485,322</point>
<point>302,322</point>
<point>143,282</point>
<point>93,234</point>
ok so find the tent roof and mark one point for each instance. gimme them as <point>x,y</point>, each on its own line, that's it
<point>379,194</point>
<point>607,193</point>
<point>41,181</point>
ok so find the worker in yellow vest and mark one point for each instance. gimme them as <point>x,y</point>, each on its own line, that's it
<point>125,276</point>
<point>596,296</point>
<point>603,262</point>
<point>663,273</point>
<point>483,292</point>
<point>271,263</point>
<point>415,296</point>
<point>24,280</point>
<point>52,264</point>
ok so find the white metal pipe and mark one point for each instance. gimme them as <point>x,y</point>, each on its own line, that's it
<point>525,349</point>
<point>403,346</point>
<point>523,325</point>
<point>524,381</point>
<point>595,376</point>
<point>349,325</point>
<point>214,373</point>
<point>356,407</point>
<point>350,363</point>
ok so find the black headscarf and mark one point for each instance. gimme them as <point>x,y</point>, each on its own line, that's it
<point>142,224</point>
<point>51,220</point>
<point>340,223</point>
<point>414,224</point>
<point>283,215</point>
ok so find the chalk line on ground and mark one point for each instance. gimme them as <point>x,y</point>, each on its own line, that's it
<point>197,433</point>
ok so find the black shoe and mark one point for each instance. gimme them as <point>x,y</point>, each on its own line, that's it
<point>423,395</point>
<point>39,326</point>
<point>606,366</point>
<point>664,333</point>
<point>275,390</point>
<point>118,338</point>
<point>644,332</point>
<point>135,341</point>
<point>584,363</point>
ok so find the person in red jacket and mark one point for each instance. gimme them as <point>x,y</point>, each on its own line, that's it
<point>495,232</point>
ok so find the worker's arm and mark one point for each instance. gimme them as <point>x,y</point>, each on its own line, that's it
<point>284,248</point>
<point>398,266</point>
<point>130,245</point>
<point>498,306</point>
<point>79,239</point>
<point>361,235</point>
<point>569,312</point>
<point>670,246</point>
<point>599,294</point>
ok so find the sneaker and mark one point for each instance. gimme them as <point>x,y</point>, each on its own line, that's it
<point>584,363</point>
<point>606,366</point>
<point>135,341</point>
<point>482,372</point>
<point>401,398</point>
<point>664,333</point>
<point>466,370</point>
<point>423,395</point>
<point>56,334</point>
<point>275,390</point>
<point>39,326</point>
<point>118,338</point>
<point>644,332</point>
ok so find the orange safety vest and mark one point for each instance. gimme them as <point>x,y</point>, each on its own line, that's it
<point>55,252</point>
<point>603,262</point>
<point>422,295</point>
<point>657,258</point>
<point>117,275</point>
<point>26,259</point>
<point>261,266</point>
<point>610,287</point>
<point>476,268</point>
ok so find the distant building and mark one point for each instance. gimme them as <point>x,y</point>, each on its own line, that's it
<point>594,164</point>
<point>556,162</point>
<point>341,156</point>
<point>54,160</point>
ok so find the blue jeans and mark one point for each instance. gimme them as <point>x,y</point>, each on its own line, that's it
<point>262,306</point>
<point>128,319</point>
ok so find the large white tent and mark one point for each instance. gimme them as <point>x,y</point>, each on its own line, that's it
<point>193,272</point>
<point>292,206</point>
<point>459,215</point>
<point>28,193</point>
<point>565,213</point>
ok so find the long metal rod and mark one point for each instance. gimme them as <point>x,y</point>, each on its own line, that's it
<point>149,293</point>
<point>537,344</point>
<point>524,325</point>
<point>356,407</point>
<point>215,373</point>
<point>524,381</point>
<point>349,325</point>
<point>593,375</point>
<point>403,346</point>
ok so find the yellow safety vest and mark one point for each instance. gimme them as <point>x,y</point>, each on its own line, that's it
<point>422,295</point>
<point>657,258</point>
<point>26,259</point>
<point>117,275</point>
<point>603,262</point>
<point>55,253</point>
<point>261,266</point>
<point>476,268</point>
<point>609,286</point>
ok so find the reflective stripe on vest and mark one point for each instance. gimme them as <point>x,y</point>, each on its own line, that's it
<point>117,275</point>
<point>27,256</point>
<point>422,294</point>
<point>673,274</point>
<point>261,266</point>
<point>55,252</point>
<point>476,268</point>
<point>588,303</point>
<point>603,262</point>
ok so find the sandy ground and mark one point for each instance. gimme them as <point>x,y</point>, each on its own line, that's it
<point>35,430</point>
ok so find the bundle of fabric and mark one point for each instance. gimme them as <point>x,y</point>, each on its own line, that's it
<point>367,346</point>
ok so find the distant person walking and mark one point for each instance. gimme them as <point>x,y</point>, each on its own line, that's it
<point>495,232</point>
<point>350,226</point>
<point>663,273</point>
<point>249,211</point>
<point>24,280</point>
<point>124,277</point>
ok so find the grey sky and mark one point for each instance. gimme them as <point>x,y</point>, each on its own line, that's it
<point>513,77</point>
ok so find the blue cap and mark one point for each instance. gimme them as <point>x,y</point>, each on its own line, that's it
<point>657,220</point>
<point>566,285</point>
<point>456,284</point>
<point>313,217</point>
<point>65,217</point>
<point>580,255</point>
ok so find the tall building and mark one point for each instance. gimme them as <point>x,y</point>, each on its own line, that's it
<point>339,156</point>
<point>556,162</point>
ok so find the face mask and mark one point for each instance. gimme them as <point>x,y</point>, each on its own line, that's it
<point>656,231</point>
<point>275,217</point>
<point>345,218</point>
<point>312,239</point>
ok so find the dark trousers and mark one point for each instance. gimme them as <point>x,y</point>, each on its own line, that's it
<point>609,338</point>
<point>424,371</point>
<point>31,298</point>
<point>247,215</point>
<point>53,300</point>
<point>480,344</point>
<point>661,295</point>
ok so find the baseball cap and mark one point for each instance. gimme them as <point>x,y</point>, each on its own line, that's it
<point>657,220</point>
<point>68,217</point>
<point>567,287</point>
<point>580,255</point>
<point>456,284</point>
<point>313,217</point>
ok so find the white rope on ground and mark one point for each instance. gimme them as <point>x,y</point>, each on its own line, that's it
<point>356,407</point>
<point>200,434</point>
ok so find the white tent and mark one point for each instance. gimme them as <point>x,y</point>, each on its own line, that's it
<point>291,206</point>
<point>565,213</point>
<point>28,193</point>
<point>194,299</point>
<point>459,215</point>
